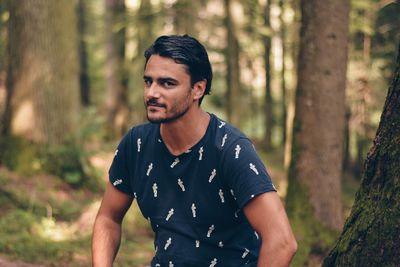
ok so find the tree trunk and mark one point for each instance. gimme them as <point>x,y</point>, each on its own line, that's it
<point>144,26</point>
<point>43,71</point>
<point>267,61</point>
<point>185,17</point>
<point>314,191</point>
<point>83,55</point>
<point>283,73</point>
<point>372,232</point>
<point>116,78</point>
<point>232,65</point>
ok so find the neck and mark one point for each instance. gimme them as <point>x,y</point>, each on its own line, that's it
<point>182,134</point>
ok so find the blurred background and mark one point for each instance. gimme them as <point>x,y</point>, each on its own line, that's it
<point>71,84</point>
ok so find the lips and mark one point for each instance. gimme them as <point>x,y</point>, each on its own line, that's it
<point>151,103</point>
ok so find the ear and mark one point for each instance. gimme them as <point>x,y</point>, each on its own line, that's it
<point>199,88</point>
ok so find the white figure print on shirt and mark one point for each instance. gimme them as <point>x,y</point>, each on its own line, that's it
<point>168,243</point>
<point>117,182</point>
<point>222,123</point>
<point>194,210</point>
<point>221,196</point>
<point>220,244</point>
<point>245,253</point>
<point>213,173</point>
<point>170,213</point>
<point>253,168</point>
<point>210,230</point>
<point>233,194</point>
<point>197,243</point>
<point>224,140</point>
<point>155,187</point>
<point>139,142</point>
<point>237,151</point>
<point>181,185</point>
<point>149,168</point>
<point>201,150</point>
<point>213,262</point>
<point>170,264</point>
<point>256,235</point>
<point>116,153</point>
<point>176,161</point>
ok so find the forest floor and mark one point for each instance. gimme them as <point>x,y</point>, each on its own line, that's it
<point>44,222</point>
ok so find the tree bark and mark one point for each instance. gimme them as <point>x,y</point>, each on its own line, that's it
<point>116,78</point>
<point>314,191</point>
<point>83,55</point>
<point>185,17</point>
<point>43,71</point>
<point>268,95</point>
<point>232,64</point>
<point>371,234</point>
<point>283,73</point>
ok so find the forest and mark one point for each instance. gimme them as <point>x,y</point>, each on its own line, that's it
<point>314,84</point>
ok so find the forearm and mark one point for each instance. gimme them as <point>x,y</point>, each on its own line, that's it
<point>276,255</point>
<point>105,242</point>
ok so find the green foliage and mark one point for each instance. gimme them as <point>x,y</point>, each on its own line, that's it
<point>20,241</point>
<point>20,155</point>
<point>69,162</point>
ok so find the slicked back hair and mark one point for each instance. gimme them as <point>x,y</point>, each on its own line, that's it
<point>186,50</point>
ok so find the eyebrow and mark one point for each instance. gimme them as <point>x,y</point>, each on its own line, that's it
<point>161,79</point>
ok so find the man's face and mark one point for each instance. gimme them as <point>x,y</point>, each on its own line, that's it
<point>167,90</point>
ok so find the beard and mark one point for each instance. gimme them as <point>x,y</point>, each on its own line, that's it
<point>175,113</point>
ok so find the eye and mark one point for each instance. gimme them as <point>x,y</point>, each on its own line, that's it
<point>147,82</point>
<point>167,84</point>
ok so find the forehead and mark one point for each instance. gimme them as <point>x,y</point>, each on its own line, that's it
<point>164,66</point>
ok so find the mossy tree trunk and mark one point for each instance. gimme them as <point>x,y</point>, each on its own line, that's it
<point>43,71</point>
<point>371,235</point>
<point>314,191</point>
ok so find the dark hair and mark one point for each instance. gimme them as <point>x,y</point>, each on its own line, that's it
<point>184,50</point>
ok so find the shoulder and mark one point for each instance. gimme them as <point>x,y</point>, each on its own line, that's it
<point>139,135</point>
<point>226,135</point>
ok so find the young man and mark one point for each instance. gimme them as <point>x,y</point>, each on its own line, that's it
<point>197,179</point>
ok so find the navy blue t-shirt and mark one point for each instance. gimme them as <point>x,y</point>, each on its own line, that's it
<point>194,201</point>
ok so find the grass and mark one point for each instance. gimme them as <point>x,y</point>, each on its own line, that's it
<point>44,220</point>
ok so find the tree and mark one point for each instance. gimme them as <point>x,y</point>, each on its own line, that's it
<point>314,191</point>
<point>116,78</point>
<point>267,61</point>
<point>42,73</point>
<point>371,234</point>
<point>232,65</point>
<point>83,55</point>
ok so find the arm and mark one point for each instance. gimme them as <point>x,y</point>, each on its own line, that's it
<point>267,216</point>
<point>107,227</point>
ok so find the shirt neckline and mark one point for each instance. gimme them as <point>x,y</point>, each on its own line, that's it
<point>202,140</point>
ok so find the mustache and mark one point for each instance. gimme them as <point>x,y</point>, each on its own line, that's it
<point>154,102</point>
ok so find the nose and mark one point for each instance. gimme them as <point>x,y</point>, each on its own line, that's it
<point>152,91</point>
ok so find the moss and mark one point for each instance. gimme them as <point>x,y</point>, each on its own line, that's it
<point>313,238</point>
<point>68,161</point>
<point>20,155</point>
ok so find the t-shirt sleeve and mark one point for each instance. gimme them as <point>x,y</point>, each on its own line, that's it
<point>244,172</point>
<point>119,174</point>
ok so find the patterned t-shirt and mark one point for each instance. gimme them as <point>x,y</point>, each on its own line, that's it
<point>194,201</point>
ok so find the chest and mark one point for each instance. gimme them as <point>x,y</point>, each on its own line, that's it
<point>185,188</point>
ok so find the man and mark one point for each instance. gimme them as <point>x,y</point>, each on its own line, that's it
<point>197,179</point>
